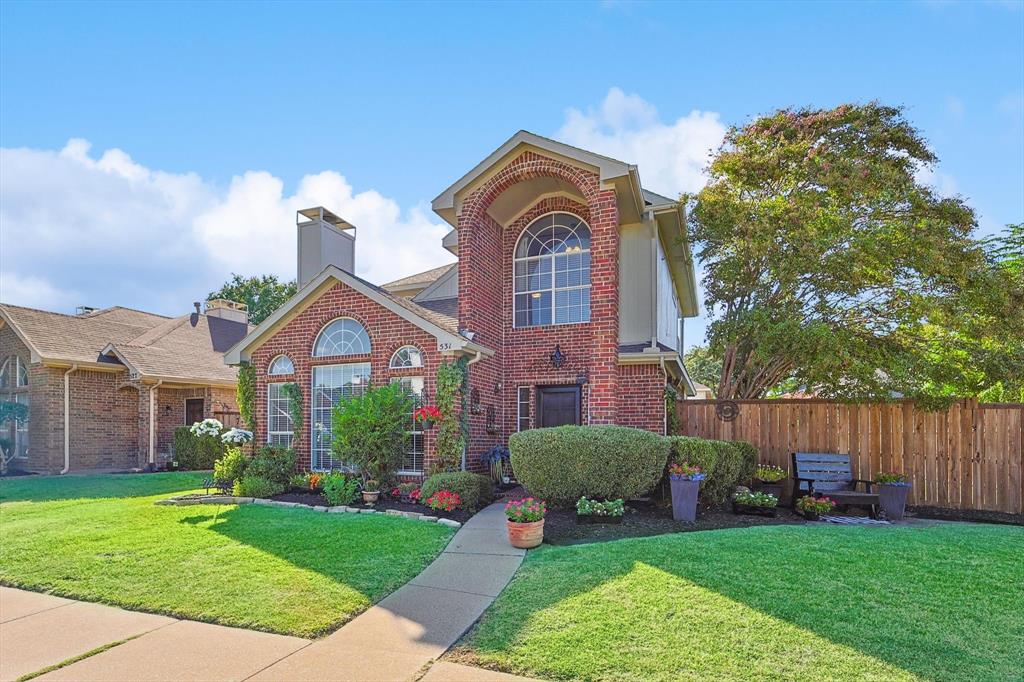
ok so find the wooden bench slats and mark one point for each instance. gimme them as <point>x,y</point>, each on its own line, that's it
<point>831,474</point>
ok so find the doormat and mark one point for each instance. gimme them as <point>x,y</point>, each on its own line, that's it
<point>856,521</point>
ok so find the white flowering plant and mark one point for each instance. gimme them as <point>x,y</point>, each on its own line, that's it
<point>236,436</point>
<point>207,427</point>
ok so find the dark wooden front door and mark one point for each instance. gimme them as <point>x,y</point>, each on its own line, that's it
<point>558,405</point>
<point>193,411</point>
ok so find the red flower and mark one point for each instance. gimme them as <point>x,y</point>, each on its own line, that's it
<point>426,412</point>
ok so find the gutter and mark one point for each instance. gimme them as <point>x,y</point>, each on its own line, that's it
<point>67,420</point>
<point>152,423</point>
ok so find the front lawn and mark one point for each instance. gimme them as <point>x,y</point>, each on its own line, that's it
<point>942,602</point>
<point>293,571</point>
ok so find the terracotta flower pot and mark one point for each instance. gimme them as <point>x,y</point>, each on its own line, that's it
<point>525,535</point>
<point>370,497</point>
<point>684,498</point>
<point>893,500</point>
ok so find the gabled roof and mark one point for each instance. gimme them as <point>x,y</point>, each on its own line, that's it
<point>418,281</point>
<point>185,349</point>
<point>443,327</point>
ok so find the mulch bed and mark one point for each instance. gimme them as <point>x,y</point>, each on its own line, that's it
<point>975,515</point>
<point>317,500</point>
<point>644,519</point>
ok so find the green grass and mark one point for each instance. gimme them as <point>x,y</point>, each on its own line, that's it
<point>292,571</point>
<point>944,602</point>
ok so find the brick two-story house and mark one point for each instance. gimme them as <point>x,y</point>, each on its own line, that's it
<point>567,299</point>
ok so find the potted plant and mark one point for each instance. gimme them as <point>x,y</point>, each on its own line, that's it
<point>768,479</point>
<point>371,491</point>
<point>405,491</point>
<point>685,481</point>
<point>893,488</point>
<point>525,522</point>
<point>426,416</point>
<point>813,507</point>
<point>594,511</point>
<point>759,503</point>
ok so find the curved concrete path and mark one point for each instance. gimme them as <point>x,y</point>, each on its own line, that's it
<point>414,625</point>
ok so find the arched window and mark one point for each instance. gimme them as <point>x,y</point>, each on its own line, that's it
<point>552,272</point>
<point>407,356</point>
<point>344,336</point>
<point>282,364</point>
<point>13,372</point>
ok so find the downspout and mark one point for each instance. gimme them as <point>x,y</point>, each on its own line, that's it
<point>654,279</point>
<point>67,420</point>
<point>152,423</point>
<point>664,418</point>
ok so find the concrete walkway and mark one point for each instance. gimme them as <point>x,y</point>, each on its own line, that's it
<point>397,639</point>
<point>414,625</point>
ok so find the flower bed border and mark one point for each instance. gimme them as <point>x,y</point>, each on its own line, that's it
<point>186,500</point>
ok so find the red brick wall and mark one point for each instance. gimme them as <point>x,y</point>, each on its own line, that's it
<point>388,332</point>
<point>642,397</point>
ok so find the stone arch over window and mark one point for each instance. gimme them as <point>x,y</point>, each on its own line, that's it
<point>405,357</point>
<point>551,276</point>
<point>282,364</point>
<point>343,336</point>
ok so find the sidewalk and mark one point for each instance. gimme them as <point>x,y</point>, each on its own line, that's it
<point>394,640</point>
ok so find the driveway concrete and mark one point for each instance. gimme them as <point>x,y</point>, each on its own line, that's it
<point>444,671</point>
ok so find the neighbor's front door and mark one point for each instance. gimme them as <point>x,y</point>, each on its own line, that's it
<point>558,405</point>
<point>193,411</point>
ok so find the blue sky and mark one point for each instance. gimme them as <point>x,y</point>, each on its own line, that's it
<point>195,129</point>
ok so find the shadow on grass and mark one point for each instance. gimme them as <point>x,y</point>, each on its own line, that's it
<point>943,602</point>
<point>99,486</point>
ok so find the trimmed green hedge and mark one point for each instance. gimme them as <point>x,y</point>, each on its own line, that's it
<point>725,464</point>
<point>562,464</point>
<point>473,489</point>
<point>196,452</point>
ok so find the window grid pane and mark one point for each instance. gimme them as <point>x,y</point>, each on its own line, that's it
<point>330,384</point>
<point>523,415</point>
<point>414,450</point>
<point>551,279</point>
<point>344,336</point>
<point>279,418</point>
<point>282,364</point>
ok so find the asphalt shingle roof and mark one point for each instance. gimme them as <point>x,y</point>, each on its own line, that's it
<point>420,278</point>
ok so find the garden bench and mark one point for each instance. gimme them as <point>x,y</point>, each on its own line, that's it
<point>829,475</point>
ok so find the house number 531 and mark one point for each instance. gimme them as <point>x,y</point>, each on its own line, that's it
<point>443,346</point>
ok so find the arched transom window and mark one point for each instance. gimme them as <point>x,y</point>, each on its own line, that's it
<point>282,364</point>
<point>344,336</point>
<point>552,272</point>
<point>407,356</point>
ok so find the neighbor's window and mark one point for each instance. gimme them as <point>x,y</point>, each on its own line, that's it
<point>14,383</point>
<point>330,384</point>
<point>407,356</point>
<point>552,272</point>
<point>279,417</point>
<point>282,364</point>
<point>413,463</point>
<point>344,336</point>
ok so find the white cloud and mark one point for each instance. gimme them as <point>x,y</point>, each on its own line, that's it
<point>671,156</point>
<point>77,229</point>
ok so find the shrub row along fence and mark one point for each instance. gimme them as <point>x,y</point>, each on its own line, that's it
<point>967,457</point>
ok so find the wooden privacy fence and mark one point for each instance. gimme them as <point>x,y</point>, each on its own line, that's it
<point>966,457</point>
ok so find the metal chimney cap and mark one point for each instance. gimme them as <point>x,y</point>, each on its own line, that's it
<point>319,213</point>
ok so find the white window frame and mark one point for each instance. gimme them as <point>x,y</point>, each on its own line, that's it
<point>519,408</point>
<point>17,391</point>
<point>552,290</point>
<point>349,350</point>
<point>270,368</point>
<point>315,462</point>
<point>409,347</point>
<point>417,428</point>
<point>290,433</point>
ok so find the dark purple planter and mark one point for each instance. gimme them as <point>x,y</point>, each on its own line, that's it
<point>770,488</point>
<point>684,499</point>
<point>893,500</point>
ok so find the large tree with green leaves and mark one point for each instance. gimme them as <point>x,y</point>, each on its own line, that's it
<point>829,263</point>
<point>263,294</point>
<point>703,366</point>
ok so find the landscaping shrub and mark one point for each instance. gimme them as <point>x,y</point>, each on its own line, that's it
<point>370,431</point>
<point>274,463</point>
<point>256,486</point>
<point>339,488</point>
<point>231,466</point>
<point>473,490</point>
<point>725,464</point>
<point>196,452</point>
<point>565,463</point>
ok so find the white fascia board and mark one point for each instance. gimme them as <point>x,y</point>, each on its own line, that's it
<point>671,225</point>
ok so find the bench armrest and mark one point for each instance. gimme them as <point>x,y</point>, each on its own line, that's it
<point>867,484</point>
<point>808,481</point>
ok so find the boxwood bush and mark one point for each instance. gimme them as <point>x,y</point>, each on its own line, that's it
<point>274,463</point>
<point>725,464</point>
<point>562,464</point>
<point>196,452</point>
<point>473,489</point>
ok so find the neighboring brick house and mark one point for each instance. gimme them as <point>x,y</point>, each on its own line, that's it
<point>95,382</point>
<point>567,300</point>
